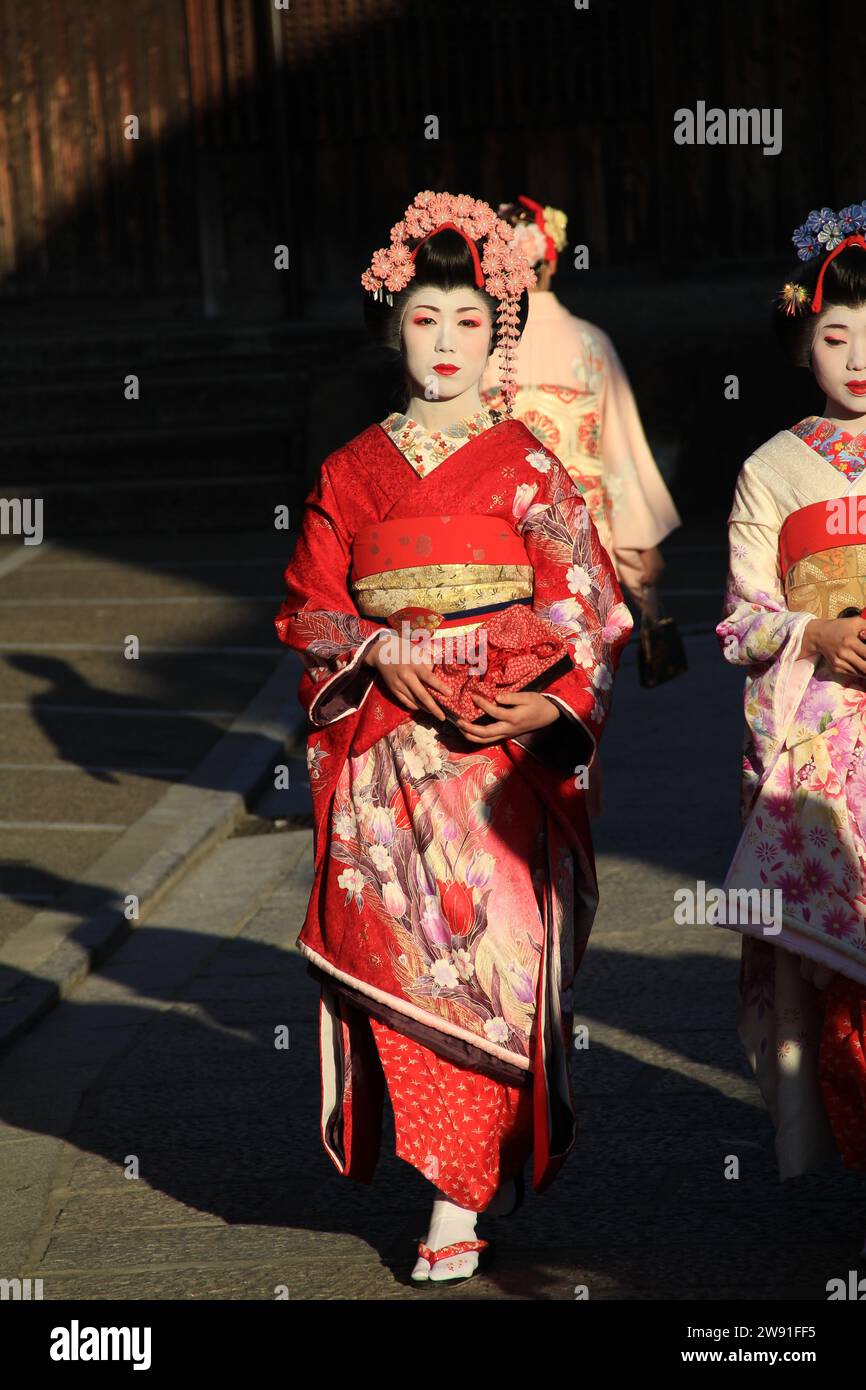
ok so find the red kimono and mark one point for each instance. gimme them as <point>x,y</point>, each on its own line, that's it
<point>454,884</point>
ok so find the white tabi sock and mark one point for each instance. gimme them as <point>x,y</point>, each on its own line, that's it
<point>449,1224</point>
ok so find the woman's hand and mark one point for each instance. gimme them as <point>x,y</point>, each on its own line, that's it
<point>519,711</point>
<point>408,681</point>
<point>839,641</point>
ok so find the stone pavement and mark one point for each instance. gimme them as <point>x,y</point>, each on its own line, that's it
<point>90,741</point>
<point>166,1057</point>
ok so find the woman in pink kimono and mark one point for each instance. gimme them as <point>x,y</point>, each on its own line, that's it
<point>796,591</point>
<point>454,882</point>
<point>574,395</point>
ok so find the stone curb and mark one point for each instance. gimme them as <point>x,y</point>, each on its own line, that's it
<point>56,949</point>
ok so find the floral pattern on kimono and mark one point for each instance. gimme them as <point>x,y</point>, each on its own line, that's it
<point>426,828</point>
<point>426,448</point>
<point>445,893</point>
<point>803,802</point>
<point>845,451</point>
<point>567,419</point>
<point>804,781</point>
<point>575,397</point>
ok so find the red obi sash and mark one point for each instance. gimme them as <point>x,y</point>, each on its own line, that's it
<point>821,526</point>
<point>467,539</point>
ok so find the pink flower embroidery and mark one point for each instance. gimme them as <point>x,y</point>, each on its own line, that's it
<point>815,877</point>
<point>839,922</point>
<point>830,785</point>
<point>780,807</point>
<point>791,839</point>
<point>523,496</point>
<point>394,899</point>
<point>618,620</point>
<point>792,888</point>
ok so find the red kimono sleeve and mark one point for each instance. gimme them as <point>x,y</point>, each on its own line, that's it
<point>319,618</point>
<point>574,588</point>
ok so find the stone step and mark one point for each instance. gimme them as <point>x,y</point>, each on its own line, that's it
<point>37,410</point>
<point>63,348</point>
<point>230,504</point>
<point>100,455</point>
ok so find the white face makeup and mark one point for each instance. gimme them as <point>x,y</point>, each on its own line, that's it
<point>446,341</point>
<point>839,359</point>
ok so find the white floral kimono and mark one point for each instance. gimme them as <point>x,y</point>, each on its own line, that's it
<point>576,399</point>
<point>795,557</point>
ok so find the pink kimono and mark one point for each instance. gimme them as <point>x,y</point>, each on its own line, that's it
<point>575,398</point>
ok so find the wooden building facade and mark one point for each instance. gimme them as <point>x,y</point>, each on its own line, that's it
<point>307,122</point>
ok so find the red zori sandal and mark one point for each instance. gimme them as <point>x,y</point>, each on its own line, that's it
<point>447,1256</point>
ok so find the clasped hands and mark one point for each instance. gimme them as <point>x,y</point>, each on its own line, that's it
<point>519,711</point>
<point>840,642</point>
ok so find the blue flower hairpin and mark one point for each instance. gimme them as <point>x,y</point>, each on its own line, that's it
<point>824,229</point>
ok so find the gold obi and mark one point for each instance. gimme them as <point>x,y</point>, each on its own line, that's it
<point>828,581</point>
<point>450,589</point>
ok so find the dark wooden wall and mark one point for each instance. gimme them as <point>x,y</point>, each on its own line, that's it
<point>576,109</point>
<point>307,126</point>
<point>195,204</point>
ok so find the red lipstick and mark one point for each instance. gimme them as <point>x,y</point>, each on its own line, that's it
<point>445,370</point>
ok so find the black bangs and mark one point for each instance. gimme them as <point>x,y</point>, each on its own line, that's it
<point>845,279</point>
<point>844,284</point>
<point>445,262</point>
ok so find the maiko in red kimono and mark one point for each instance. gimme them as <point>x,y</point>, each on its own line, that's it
<point>454,883</point>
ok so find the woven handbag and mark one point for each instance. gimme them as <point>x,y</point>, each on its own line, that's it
<point>661,654</point>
